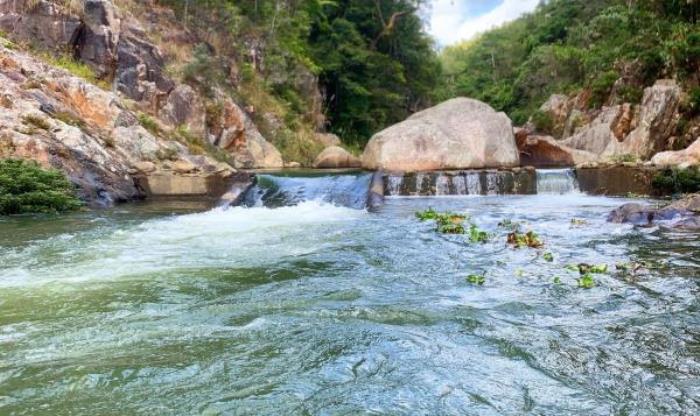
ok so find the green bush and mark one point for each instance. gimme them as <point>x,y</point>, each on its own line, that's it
<point>677,181</point>
<point>543,122</point>
<point>26,187</point>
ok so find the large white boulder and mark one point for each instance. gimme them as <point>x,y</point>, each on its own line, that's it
<point>461,133</point>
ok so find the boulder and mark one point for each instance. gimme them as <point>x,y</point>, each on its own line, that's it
<point>545,151</point>
<point>43,23</point>
<point>335,157</point>
<point>460,133</point>
<point>683,213</point>
<point>99,36</point>
<point>140,73</point>
<point>598,134</point>
<point>657,119</point>
<point>327,139</point>
<point>183,108</point>
<point>689,156</point>
<point>235,132</point>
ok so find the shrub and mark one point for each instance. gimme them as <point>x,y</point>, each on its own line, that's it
<point>26,187</point>
<point>543,122</point>
<point>149,124</point>
<point>677,180</point>
<point>36,121</point>
<point>600,88</point>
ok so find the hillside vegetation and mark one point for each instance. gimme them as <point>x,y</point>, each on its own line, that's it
<point>372,60</point>
<point>609,49</point>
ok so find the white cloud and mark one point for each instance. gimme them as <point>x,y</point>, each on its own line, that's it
<point>455,20</point>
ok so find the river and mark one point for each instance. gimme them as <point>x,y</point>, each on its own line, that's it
<point>323,309</point>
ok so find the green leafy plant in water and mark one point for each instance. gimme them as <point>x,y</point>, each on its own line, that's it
<point>556,280</point>
<point>584,268</point>
<point>476,235</point>
<point>25,187</point>
<point>428,214</point>
<point>529,239</point>
<point>586,281</point>
<point>548,257</point>
<point>450,228</point>
<point>476,279</point>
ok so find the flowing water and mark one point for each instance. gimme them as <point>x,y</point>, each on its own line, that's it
<point>319,309</point>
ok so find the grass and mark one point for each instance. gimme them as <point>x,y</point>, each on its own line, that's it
<point>39,122</point>
<point>148,123</point>
<point>26,187</point>
<point>76,68</point>
<point>69,119</point>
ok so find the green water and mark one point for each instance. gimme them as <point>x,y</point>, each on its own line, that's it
<point>323,310</point>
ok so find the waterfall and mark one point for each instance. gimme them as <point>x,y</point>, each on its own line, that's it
<point>279,190</point>
<point>556,181</point>
<point>473,182</point>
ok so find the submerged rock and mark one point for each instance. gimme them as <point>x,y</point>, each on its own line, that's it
<point>461,133</point>
<point>683,213</point>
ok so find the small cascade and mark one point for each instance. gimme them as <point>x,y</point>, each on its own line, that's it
<point>442,185</point>
<point>473,180</point>
<point>446,183</point>
<point>277,191</point>
<point>557,181</point>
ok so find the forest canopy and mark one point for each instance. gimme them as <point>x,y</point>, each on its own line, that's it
<point>565,46</point>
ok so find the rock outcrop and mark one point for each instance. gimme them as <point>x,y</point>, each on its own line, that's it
<point>545,151</point>
<point>618,132</point>
<point>683,213</point>
<point>115,44</point>
<point>335,157</point>
<point>687,157</point>
<point>460,133</point>
<point>64,122</point>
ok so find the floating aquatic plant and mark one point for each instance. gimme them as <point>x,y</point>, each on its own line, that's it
<point>476,279</point>
<point>476,235</point>
<point>584,268</point>
<point>557,280</point>
<point>529,239</point>
<point>586,281</point>
<point>450,228</point>
<point>548,257</point>
<point>428,214</point>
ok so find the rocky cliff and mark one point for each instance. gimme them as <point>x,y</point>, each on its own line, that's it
<point>111,91</point>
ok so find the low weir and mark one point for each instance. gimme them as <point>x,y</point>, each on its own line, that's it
<point>360,190</point>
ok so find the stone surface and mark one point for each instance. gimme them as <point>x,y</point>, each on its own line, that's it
<point>655,125</point>
<point>43,23</point>
<point>683,213</point>
<point>545,151</point>
<point>235,132</point>
<point>82,130</point>
<point>184,109</point>
<point>327,139</point>
<point>457,134</point>
<point>681,158</point>
<point>98,37</point>
<point>335,157</point>
<point>616,180</point>
<point>596,136</point>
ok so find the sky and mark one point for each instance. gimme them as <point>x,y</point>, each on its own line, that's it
<point>455,20</point>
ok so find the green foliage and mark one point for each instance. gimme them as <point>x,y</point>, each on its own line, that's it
<point>529,239</point>
<point>428,214</point>
<point>148,123</point>
<point>374,70</point>
<point>543,122</point>
<point>450,228</point>
<point>26,187</point>
<point>77,68</point>
<point>476,235</point>
<point>548,257</point>
<point>476,279</point>
<point>566,46</point>
<point>677,180</point>
<point>586,281</point>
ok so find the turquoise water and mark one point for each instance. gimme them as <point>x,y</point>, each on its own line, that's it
<point>324,310</point>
